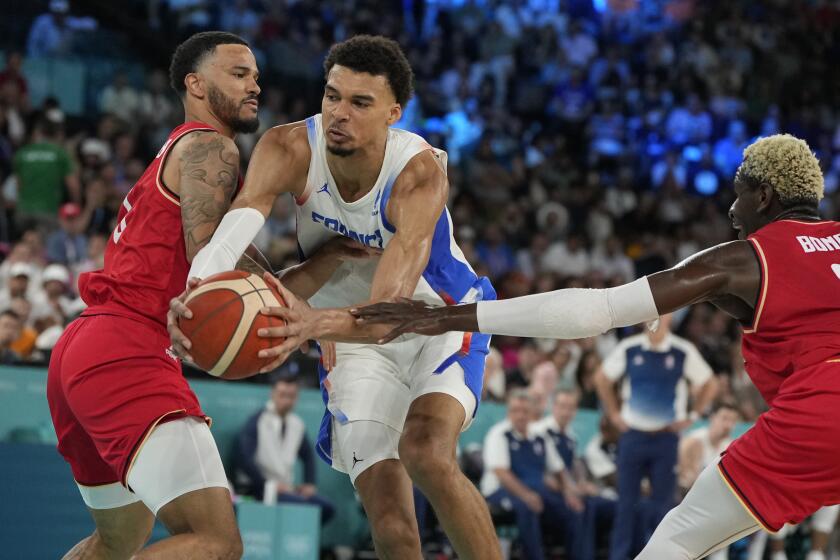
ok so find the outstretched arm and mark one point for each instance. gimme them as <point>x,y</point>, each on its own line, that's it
<point>727,273</point>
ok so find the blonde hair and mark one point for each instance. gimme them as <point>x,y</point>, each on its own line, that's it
<point>787,164</point>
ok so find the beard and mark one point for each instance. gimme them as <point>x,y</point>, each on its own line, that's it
<point>228,111</point>
<point>341,152</point>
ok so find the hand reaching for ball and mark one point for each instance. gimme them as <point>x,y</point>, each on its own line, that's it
<point>293,335</point>
<point>177,309</point>
<point>300,323</point>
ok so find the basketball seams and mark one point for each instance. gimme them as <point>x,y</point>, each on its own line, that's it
<point>239,336</point>
<point>245,290</point>
<point>271,321</point>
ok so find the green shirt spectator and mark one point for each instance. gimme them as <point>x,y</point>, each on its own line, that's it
<point>41,168</point>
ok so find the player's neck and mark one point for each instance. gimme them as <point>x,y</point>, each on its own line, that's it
<point>207,117</point>
<point>802,212</point>
<point>356,174</point>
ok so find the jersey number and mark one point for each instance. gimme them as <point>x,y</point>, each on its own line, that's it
<point>122,224</point>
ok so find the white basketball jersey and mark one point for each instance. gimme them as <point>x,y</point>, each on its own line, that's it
<point>322,214</point>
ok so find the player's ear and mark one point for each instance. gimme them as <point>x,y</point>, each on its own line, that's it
<point>194,85</point>
<point>395,114</point>
<point>765,196</point>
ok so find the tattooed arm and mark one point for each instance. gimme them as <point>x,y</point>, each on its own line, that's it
<point>205,180</point>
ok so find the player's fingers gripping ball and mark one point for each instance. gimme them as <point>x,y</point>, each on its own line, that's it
<point>225,320</point>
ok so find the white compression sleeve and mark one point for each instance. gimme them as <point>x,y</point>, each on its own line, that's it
<point>235,232</point>
<point>569,314</point>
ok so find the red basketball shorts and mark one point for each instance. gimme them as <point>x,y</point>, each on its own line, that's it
<point>788,465</point>
<point>111,380</point>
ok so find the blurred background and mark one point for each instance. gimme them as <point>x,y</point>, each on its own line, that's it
<point>590,142</point>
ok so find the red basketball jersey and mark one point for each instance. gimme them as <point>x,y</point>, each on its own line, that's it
<point>145,260</point>
<point>797,316</point>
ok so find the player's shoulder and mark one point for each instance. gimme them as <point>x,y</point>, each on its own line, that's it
<point>198,144</point>
<point>727,255</point>
<point>289,139</point>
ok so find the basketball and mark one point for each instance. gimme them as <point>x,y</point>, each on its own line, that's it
<point>226,317</point>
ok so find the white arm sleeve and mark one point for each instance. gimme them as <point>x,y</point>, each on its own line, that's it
<point>569,314</point>
<point>235,232</point>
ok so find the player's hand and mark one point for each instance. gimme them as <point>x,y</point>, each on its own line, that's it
<point>299,325</point>
<point>327,354</point>
<point>345,249</point>
<point>408,316</point>
<point>177,308</point>
<point>534,502</point>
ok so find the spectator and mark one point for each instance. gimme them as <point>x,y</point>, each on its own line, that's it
<point>822,524</point>
<point>57,301</point>
<point>611,261</point>
<point>268,446</point>
<point>494,377</point>
<point>43,170</point>
<point>655,367</point>
<point>523,473</point>
<point>24,344</point>
<point>702,447</point>
<point>9,332</point>
<point>13,74</point>
<point>156,108</point>
<point>68,244</point>
<point>52,33</point>
<point>17,285</point>
<point>557,427</point>
<point>495,252</point>
<point>120,99</point>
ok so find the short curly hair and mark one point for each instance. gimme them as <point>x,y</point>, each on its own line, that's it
<point>378,56</point>
<point>189,55</point>
<point>787,164</point>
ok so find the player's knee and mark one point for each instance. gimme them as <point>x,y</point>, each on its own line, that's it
<point>426,463</point>
<point>426,457</point>
<point>120,545</point>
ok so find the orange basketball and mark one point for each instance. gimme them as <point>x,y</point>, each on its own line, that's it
<point>226,317</point>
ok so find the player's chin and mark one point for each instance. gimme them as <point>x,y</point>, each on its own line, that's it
<point>342,149</point>
<point>247,122</point>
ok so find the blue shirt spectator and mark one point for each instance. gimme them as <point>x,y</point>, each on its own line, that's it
<point>523,473</point>
<point>657,368</point>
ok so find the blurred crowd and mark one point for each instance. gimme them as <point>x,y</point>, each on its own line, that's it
<point>590,143</point>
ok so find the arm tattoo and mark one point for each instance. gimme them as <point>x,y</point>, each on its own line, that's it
<point>209,170</point>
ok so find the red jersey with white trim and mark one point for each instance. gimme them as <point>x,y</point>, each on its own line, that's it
<point>145,260</point>
<point>797,317</point>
